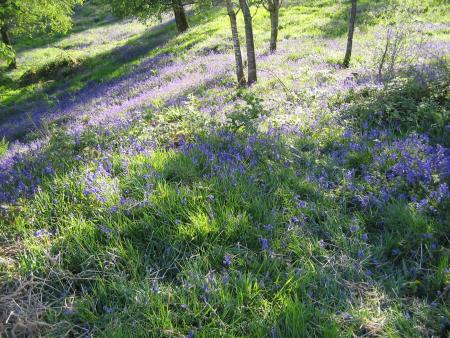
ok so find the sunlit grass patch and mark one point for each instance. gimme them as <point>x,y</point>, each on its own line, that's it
<point>285,209</point>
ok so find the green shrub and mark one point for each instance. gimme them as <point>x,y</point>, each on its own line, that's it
<point>63,66</point>
<point>405,104</point>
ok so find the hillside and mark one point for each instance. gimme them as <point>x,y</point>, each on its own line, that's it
<point>143,194</point>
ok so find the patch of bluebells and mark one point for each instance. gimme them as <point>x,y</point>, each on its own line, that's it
<point>409,169</point>
<point>226,154</point>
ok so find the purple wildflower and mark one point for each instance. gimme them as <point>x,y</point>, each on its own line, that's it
<point>360,254</point>
<point>264,244</point>
<point>105,229</point>
<point>69,311</point>
<point>396,251</point>
<point>107,309</point>
<point>227,260</point>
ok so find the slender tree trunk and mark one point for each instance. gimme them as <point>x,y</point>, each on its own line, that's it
<point>351,29</point>
<point>180,16</point>
<point>7,41</point>
<point>251,59</point>
<point>274,10</point>
<point>236,44</point>
<point>384,56</point>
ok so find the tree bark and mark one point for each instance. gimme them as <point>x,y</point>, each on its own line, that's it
<point>180,16</point>
<point>236,44</point>
<point>274,10</point>
<point>384,56</point>
<point>251,59</point>
<point>351,29</point>
<point>7,41</point>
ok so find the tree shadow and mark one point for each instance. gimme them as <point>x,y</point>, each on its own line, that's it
<point>279,208</point>
<point>93,70</point>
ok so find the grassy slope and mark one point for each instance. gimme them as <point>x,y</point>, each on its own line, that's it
<point>130,235</point>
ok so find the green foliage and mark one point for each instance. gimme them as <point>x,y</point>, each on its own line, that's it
<point>141,9</point>
<point>28,17</point>
<point>33,16</point>
<point>405,104</point>
<point>57,69</point>
<point>246,113</point>
<point>153,264</point>
<point>3,146</point>
<point>147,10</point>
<point>6,52</point>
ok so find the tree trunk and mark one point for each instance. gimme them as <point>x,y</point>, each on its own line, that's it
<point>384,56</point>
<point>251,59</point>
<point>274,10</point>
<point>351,29</point>
<point>180,16</point>
<point>236,44</point>
<point>7,41</point>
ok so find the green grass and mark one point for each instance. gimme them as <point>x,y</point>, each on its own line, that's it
<point>299,19</point>
<point>3,146</point>
<point>120,242</point>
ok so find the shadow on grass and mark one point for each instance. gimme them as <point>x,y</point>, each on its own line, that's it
<point>221,222</point>
<point>98,66</point>
<point>95,76</point>
<point>180,212</point>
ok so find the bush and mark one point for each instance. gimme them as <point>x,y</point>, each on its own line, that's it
<point>405,105</point>
<point>63,66</point>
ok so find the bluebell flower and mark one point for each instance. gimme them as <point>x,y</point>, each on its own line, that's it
<point>274,332</point>
<point>123,200</point>
<point>347,133</point>
<point>69,311</point>
<point>107,309</point>
<point>268,227</point>
<point>360,254</point>
<point>301,204</point>
<point>41,233</point>
<point>105,229</point>
<point>264,244</point>
<point>227,260</point>
<point>354,228</point>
